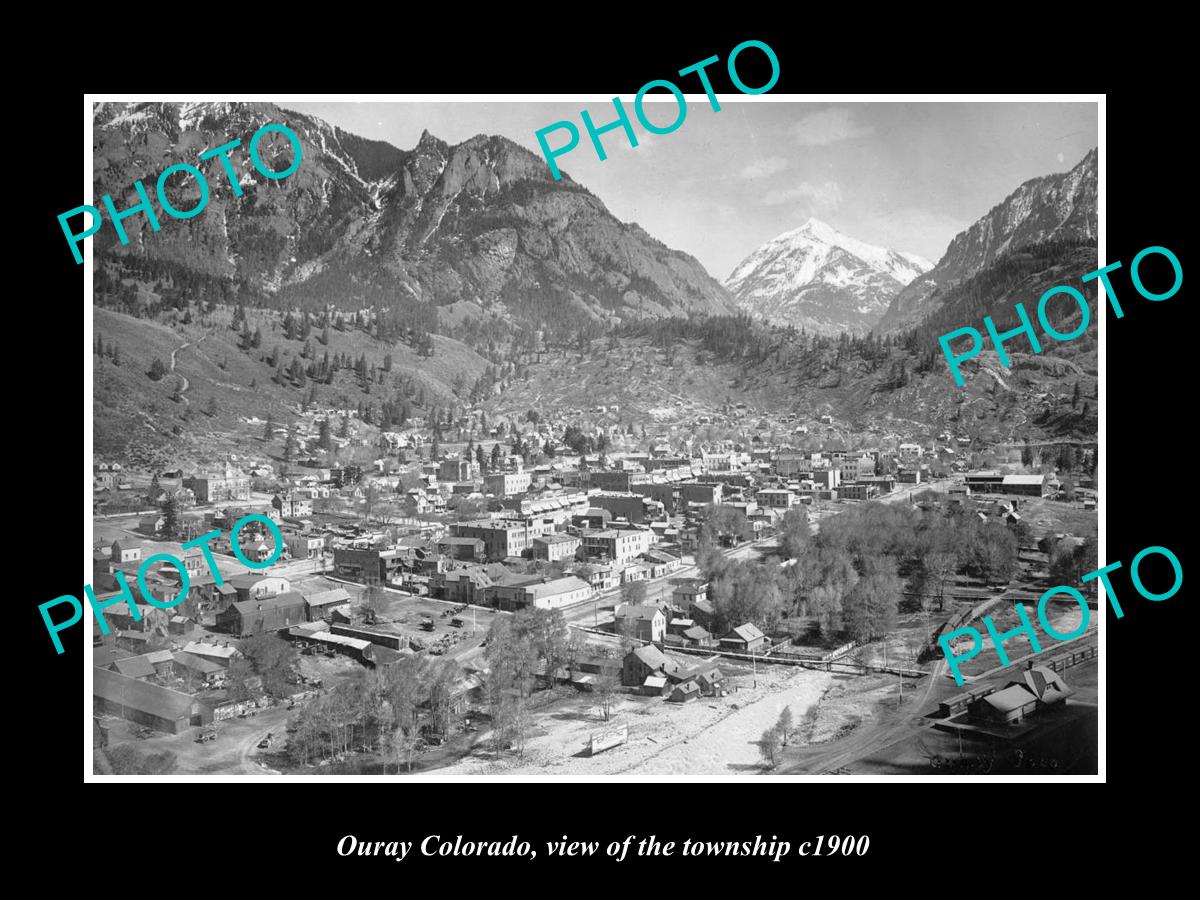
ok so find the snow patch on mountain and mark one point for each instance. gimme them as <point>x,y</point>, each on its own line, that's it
<point>816,278</point>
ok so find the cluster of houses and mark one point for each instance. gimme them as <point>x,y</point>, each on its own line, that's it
<point>548,536</point>
<point>551,536</point>
<point>684,621</point>
<point>655,675</point>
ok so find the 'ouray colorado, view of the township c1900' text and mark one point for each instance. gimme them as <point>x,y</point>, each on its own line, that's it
<point>644,463</point>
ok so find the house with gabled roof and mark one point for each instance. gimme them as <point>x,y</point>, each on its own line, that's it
<point>745,638</point>
<point>641,621</point>
<point>643,662</point>
<point>248,617</point>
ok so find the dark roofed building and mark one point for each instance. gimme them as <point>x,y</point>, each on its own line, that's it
<point>462,548</point>
<point>138,667</point>
<point>1040,687</point>
<point>744,639</point>
<point>145,703</point>
<point>197,667</point>
<point>319,604</point>
<point>684,691</point>
<point>642,662</point>
<point>1010,705</point>
<point>392,640</point>
<point>247,617</point>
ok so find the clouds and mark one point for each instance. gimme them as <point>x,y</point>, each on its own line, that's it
<point>816,129</point>
<point>772,165</point>
<point>828,127</point>
<point>824,197</point>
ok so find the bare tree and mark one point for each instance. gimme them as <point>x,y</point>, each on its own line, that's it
<point>371,497</point>
<point>940,568</point>
<point>810,721</point>
<point>633,592</point>
<point>785,725</point>
<point>520,727</point>
<point>606,695</point>
<point>374,601</point>
<point>770,745</point>
<point>508,723</point>
<point>400,744</point>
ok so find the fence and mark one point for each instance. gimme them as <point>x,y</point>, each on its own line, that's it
<point>771,657</point>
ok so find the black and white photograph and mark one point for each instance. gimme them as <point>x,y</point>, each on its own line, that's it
<point>486,437</point>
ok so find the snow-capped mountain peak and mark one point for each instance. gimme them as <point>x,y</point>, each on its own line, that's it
<point>817,278</point>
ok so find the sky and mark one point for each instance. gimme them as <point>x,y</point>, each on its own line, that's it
<point>908,176</point>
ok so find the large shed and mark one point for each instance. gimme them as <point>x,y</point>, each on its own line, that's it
<point>145,703</point>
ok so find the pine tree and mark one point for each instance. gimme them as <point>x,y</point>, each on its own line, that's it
<point>269,428</point>
<point>211,409</point>
<point>116,355</point>
<point>325,438</point>
<point>170,514</point>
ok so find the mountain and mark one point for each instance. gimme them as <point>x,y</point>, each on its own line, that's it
<point>1052,208</point>
<point>480,225</point>
<point>816,278</point>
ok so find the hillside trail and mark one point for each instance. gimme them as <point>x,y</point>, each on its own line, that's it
<point>182,377</point>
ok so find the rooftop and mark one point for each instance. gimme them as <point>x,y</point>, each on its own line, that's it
<point>140,695</point>
<point>283,601</point>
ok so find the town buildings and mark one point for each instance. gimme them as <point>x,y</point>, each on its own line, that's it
<point>246,617</point>
<point>640,621</point>
<point>501,538</point>
<point>219,487</point>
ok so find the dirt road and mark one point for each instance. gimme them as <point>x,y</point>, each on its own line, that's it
<point>865,740</point>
